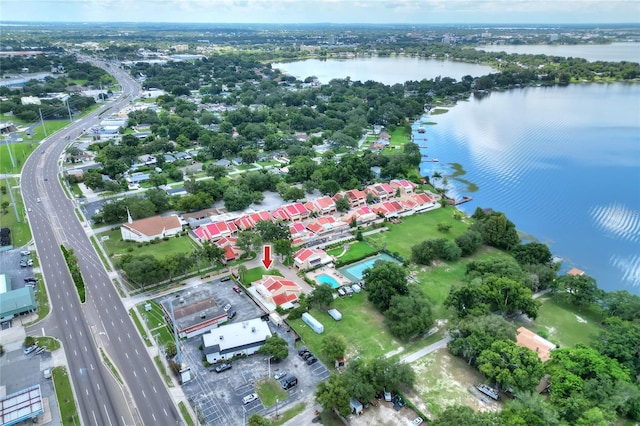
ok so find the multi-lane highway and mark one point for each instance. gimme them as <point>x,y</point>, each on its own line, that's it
<point>101,322</point>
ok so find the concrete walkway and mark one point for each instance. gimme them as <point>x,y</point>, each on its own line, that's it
<point>426,350</point>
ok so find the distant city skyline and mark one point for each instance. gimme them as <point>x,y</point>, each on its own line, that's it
<point>326,11</point>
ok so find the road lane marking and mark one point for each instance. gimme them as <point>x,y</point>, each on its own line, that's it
<point>144,394</point>
<point>165,412</point>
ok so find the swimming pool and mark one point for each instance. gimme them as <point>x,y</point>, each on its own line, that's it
<point>354,271</point>
<point>327,279</point>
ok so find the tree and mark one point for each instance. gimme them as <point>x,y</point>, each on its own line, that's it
<point>258,420</point>
<point>444,227</point>
<point>237,199</point>
<point>503,266</point>
<point>248,241</point>
<point>170,350</point>
<point>469,242</point>
<point>321,297</point>
<point>473,334</point>
<point>390,373</point>
<point>509,296</point>
<point>282,248</point>
<point>462,415</point>
<point>5,206</point>
<point>408,315</point>
<point>213,253</point>
<point>333,346</point>
<point>620,340</point>
<point>177,263</point>
<point>242,271</point>
<point>29,341</point>
<point>270,231</point>
<point>622,304</point>
<point>383,281</point>
<point>497,231</point>
<point>580,290</point>
<point>276,347</point>
<point>532,254</point>
<point>293,193</point>
<point>511,366</point>
<point>529,409</point>
<point>342,204</point>
<point>332,394</point>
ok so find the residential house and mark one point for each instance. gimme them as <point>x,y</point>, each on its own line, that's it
<point>541,346</point>
<point>150,228</point>
<point>363,216</point>
<point>382,191</point>
<point>280,214</point>
<point>137,178</point>
<point>216,231</point>
<point>424,202</point>
<point>325,205</point>
<point>183,156</point>
<point>168,158</point>
<point>300,234</point>
<point>356,197</point>
<point>308,258</point>
<point>223,163</point>
<point>230,247</point>
<point>326,225</point>
<point>405,186</point>
<point>296,211</point>
<point>388,209</point>
<point>277,291</point>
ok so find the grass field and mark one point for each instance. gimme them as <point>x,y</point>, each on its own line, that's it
<point>156,322</point>
<point>565,324</point>
<point>116,247</point>
<point>255,274</point>
<point>41,299</point>
<point>50,343</point>
<point>51,126</point>
<point>357,250</point>
<point>20,232</point>
<point>185,414</point>
<point>436,281</point>
<point>16,151</point>
<point>361,327</point>
<point>139,326</point>
<point>417,228</point>
<point>68,410</point>
<point>289,414</point>
<point>269,390</point>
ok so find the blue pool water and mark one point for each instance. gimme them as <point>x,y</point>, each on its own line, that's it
<point>328,279</point>
<point>354,271</point>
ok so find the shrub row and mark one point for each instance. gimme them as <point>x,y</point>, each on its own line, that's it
<point>74,269</point>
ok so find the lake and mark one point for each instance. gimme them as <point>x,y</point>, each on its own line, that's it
<point>562,162</point>
<point>614,52</point>
<point>387,70</point>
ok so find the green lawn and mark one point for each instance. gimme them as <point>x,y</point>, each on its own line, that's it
<point>16,151</point>
<point>269,390</point>
<point>357,250</point>
<point>41,300</point>
<point>289,414</point>
<point>139,326</point>
<point>417,228</point>
<point>565,324</point>
<point>68,410</point>
<point>115,246</point>
<point>156,322</point>
<point>361,327</point>
<point>185,414</point>
<point>399,137</point>
<point>20,232</point>
<point>255,274</point>
<point>51,126</point>
<point>50,343</point>
<point>436,281</point>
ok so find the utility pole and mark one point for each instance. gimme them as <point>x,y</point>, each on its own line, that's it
<point>42,121</point>
<point>69,110</point>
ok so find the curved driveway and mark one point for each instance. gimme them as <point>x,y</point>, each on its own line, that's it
<point>102,321</point>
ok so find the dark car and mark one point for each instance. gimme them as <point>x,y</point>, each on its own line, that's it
<point>307,356</point>
<point>289,382</point>
<point>30,280</point>
<point>223,367</point>
<point>302,352</point>
<point>232,314</point>
<point>312,360</point>
<point>227,278</point>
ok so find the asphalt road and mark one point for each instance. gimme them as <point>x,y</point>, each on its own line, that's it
<point>102,321</point>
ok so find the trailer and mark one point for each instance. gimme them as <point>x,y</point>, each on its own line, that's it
<point>313,323</point>
<point>356,288</point>
<point>348,291</point>
<point>356,406</point>
<point>335,314</point>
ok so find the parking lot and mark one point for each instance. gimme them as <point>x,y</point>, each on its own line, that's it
<point>19,371</point>
<point>217,397</point>
<point>10,266</point>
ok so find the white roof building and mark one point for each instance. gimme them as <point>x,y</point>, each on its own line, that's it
<point>235,339</point>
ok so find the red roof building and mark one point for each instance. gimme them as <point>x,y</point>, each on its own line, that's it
<point>307,258</point>
<point>405,186</point>
<point>280,214</point>
<point>277,290</point>
<point>216,231</point>
<point>356,197</point>
<point>296,211</point>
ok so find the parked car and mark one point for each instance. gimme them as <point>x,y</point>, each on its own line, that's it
<point>30,349</point>
<point>30,280</point>
<point>302,352</point>
<point>25,252</point>
<point>237,289</point>
<point>417,421</point>
<point>312,360</point>
<point>280,375</point>
<point>289,382</point>
<point>232,315</point>
<point>223,367</point>
<point>387,396</point>
<point>227,278</point>
<point>227,307</point>
<point>307,356</point>
<point>47,373</point>
<point>249,398</point>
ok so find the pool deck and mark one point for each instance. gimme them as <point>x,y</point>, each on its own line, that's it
<point>331,271</point>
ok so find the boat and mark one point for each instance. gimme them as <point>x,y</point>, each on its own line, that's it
<point>434,160</point>
<point>421,129</point>
<point>489,391</point>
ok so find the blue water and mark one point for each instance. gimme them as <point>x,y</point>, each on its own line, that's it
<point>354,271</point>
<point>327,279</point>
<point>563,163</point>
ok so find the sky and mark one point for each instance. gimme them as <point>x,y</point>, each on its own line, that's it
<point>325,11</point>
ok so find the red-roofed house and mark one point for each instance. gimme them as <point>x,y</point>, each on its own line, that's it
<point>150,228</point>
<point>307,258</point>
<point>325,205</point>
<point>261,216</point>
<point>541,346</point>
<point>388,208</point>
<point>296,211</point>
<point>280,214</point>
<point>300,234</point>
<point>277,290</point>
<point>405,186</point>
<point>356,197</point>
<point>326,225</point>
<point>424,202</point>
<point>363,216</point>
<point>382,191</point>
<point>243,223</point>
<point>216,231</point>
<point>231,250</point>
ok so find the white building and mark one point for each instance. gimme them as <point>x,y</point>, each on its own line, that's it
<point>151,228</point>
<point>237,339</point>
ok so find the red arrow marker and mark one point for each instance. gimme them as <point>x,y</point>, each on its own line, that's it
<point>266,256</point>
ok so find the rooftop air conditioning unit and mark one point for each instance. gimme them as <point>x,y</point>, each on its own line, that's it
<point>253,329</point>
